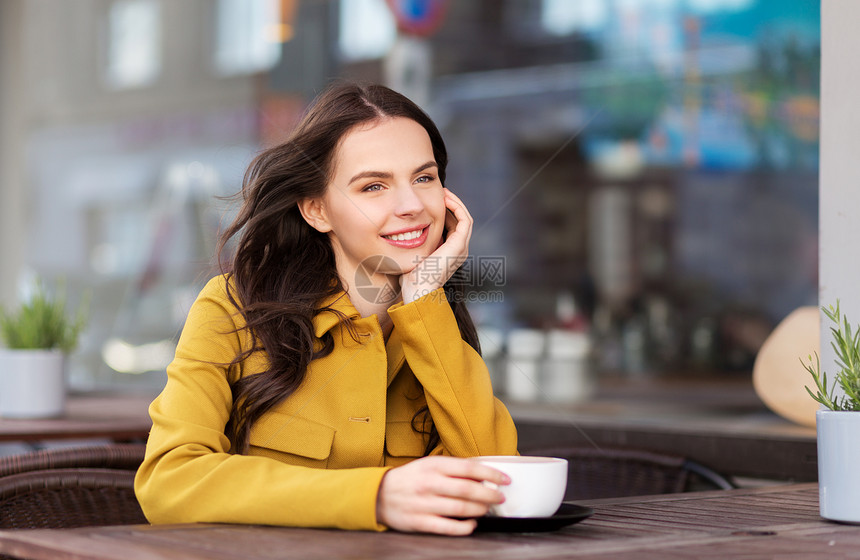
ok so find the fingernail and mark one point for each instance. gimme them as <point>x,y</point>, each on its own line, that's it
<point>506,479</point>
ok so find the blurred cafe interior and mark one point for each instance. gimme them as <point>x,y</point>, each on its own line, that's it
<point>643,174</point>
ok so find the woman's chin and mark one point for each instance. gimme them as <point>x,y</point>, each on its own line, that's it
<point>407,264</point>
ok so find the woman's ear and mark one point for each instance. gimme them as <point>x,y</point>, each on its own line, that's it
<point>313,211</point>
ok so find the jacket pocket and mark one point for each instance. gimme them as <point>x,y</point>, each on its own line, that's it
<point>401,441</point>
<point>292,439</point>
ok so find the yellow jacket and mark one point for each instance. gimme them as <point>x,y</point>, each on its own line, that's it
<point>317,459</point>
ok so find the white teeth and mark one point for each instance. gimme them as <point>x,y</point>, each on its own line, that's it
<point>405,236</point>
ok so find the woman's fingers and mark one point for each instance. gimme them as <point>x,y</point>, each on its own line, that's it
<point>458,221</point>
<point>463,480</point>
<point>465,491</point>
<point>469,469</point>
<point>427,276</point>
<point>453,507</point>
<point>440,525</point>
<point>430,494</point>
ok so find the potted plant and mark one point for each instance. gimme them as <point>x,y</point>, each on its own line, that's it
<point>37,337</point>
<point>838,423</point>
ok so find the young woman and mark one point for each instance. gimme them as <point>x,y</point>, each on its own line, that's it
<point>331,377</point>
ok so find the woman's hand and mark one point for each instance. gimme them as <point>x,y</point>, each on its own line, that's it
<point>432,273</point>
<point>427,494</point>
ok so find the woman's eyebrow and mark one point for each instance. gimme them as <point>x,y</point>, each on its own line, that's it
<point>427,165</point>
<point>371,175</point>
<point>388,174</point>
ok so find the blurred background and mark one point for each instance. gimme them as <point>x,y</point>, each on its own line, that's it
<point>642,173</point>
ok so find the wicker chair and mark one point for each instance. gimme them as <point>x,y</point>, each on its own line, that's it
<point>613,473</point>
<point>71,487</point>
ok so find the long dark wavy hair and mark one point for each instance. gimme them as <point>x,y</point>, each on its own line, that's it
<point>282,268</point>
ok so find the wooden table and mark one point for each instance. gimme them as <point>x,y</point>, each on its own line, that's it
<point>756,523</point>
<point>115,417</point>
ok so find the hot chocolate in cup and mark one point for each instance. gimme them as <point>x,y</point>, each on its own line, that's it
<point>537,485</point>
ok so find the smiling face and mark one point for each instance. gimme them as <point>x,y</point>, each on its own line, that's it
<point>384,201</point>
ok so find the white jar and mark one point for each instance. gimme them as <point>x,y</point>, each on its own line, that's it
<point>525,355</point>
<point>566,375</point>
<point>32,383</point>
<point>838,457</point>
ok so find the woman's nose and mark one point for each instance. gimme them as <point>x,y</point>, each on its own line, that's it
<point>408,202</point>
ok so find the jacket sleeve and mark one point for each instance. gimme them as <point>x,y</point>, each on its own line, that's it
<point>469,419</point>
<point>188,474</point>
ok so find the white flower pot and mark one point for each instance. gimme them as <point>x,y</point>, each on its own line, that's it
<point>32,383</point>
<point>838,460</point>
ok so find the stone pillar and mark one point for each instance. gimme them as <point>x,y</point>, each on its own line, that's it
<point>839,178</point>
<point>12,150</point>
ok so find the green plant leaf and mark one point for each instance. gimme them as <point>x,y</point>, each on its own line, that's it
<point>41,322</point>
<point>846,346</point>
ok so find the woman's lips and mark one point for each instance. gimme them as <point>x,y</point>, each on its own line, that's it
<point>408,239</point>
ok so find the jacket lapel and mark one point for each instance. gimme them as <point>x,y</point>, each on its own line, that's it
<point>396,357</point>
<point>324,321</point>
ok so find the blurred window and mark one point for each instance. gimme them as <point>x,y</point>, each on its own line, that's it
<point>367,29</point>
<point>709,6</point>
<point>249,34</point>
<point>563,17</point>
<point>134,44</point>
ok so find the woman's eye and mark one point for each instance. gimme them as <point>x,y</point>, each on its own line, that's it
<point>372,188</point>
<point>425,179</point>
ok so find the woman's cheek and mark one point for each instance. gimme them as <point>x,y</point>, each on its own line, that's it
<point>440,212</point>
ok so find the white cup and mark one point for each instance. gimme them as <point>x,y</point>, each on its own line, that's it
<point>537,485</point>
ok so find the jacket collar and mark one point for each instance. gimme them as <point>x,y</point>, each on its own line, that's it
<point>324,321</point>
